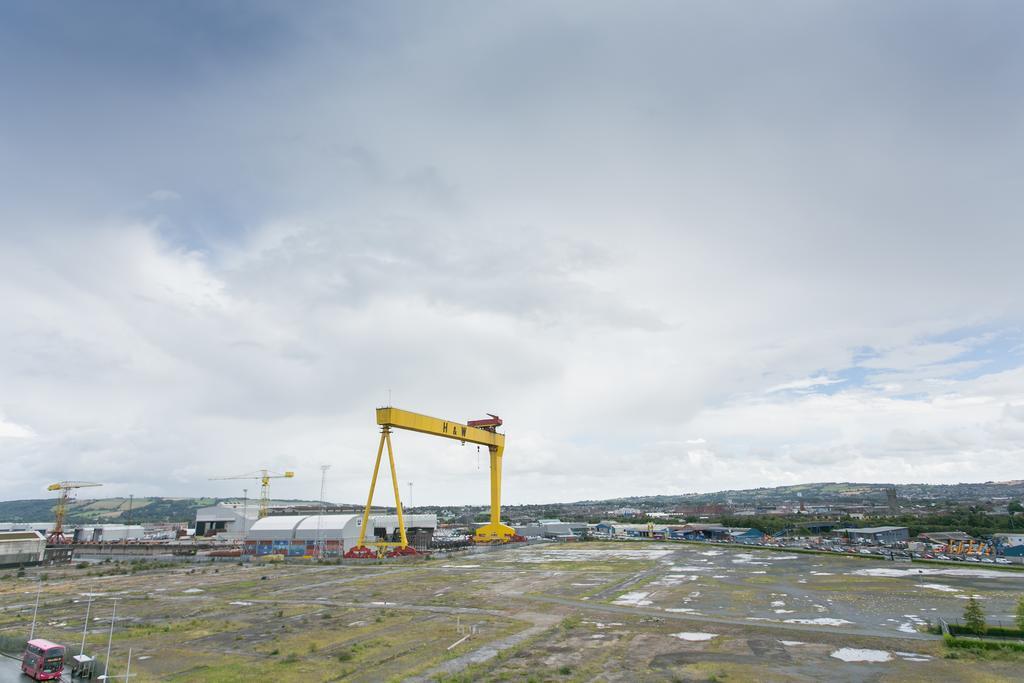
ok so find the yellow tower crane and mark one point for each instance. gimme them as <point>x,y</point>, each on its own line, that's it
<point>481,432</point>
<point>65,488</point>
<point>264,476</point>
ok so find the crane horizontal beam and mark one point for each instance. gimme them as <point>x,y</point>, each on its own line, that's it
<point>404,419</point>
<point>286,475</point>
<point>70,485</point>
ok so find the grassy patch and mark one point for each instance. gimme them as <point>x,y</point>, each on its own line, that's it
<point>991,631</point>
<point>990,646</point>
<point>193,628</point>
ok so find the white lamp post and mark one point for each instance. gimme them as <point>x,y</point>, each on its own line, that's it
<point>323,478</point>
<point>110,639</point>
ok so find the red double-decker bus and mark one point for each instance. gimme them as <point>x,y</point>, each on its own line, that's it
<point>43,660</point>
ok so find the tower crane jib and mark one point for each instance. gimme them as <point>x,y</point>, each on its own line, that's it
<point>263,476</point>
<point>60,510</point>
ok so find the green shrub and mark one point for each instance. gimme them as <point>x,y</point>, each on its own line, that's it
<point>995,631</point>
<point>974,616</point>
<point>986,645</point>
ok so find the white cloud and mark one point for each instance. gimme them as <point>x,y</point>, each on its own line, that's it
<point>966,435</point>
<point>566,218</point>
<point>10,430</point>
<point>806,383</point>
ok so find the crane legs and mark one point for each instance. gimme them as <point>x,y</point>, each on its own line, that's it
<point>57,535</point>
<point>494,530</point>
<point>402,548</point>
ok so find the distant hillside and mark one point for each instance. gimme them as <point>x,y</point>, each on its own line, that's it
<point>825,492</point>
<point>113,510</point>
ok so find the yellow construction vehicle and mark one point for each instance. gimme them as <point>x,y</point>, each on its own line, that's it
<point>264,476</point>
<point>65,488</point>
<point>480,432</point>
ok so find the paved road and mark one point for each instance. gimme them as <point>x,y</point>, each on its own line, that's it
<point>440,609</point>
<point>10,672</point>
<point>541,623</point>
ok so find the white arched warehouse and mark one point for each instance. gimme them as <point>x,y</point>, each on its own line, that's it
<point>297,535</point>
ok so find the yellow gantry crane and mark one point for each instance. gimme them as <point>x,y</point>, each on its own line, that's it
<point>264,476</point>
<point>65,488</point>
<point>481,432</point>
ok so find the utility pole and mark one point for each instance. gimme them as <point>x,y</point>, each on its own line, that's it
<point>131,502</point>
<point>85,627</point>
<point>320,514</point>
<point>245,512</point>
<point>35,612</point>
<point>110,639</point>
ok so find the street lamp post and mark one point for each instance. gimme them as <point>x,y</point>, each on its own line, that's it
<point>110,639</point>
<point>85,628</point>
<point>320,514</point>
<point>245,512</point>
<point>35,611</point>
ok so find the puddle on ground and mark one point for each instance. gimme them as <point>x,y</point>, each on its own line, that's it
<point>584,555</point>
<point>635,598</point>
<point>694,635</point>
<point>820,621</point>
<point>852,654</point>
<point>940,587</point>
<point>900,573</point>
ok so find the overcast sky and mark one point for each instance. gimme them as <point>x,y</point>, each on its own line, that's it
<point>676,246</point>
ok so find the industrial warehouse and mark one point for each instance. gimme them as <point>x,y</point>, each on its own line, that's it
<point>19,548</point>
<point>331,536</point>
